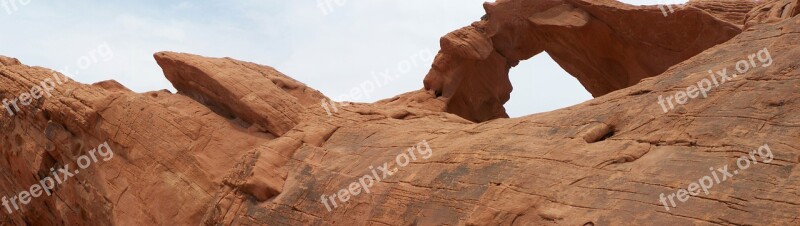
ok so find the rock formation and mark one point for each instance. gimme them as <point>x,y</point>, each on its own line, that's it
<point>243,144</point>
<point>604,44</point>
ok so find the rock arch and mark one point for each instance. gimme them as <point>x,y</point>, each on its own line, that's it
<point>603,44</point>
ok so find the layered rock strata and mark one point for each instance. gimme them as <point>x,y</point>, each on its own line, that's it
<point>243,144</point>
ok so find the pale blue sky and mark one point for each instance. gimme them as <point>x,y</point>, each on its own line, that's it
<point>333,52</point>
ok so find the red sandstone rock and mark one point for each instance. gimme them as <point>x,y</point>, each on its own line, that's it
<point>733,12</point>
<point>773,11</point>
<point>257,94</point>
<point>243,144</point>
<point>605,45</point>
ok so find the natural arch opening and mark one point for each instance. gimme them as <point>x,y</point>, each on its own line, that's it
<point>605,50</point>
<point>541,85</point>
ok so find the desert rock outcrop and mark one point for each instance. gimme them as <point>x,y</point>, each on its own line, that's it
<point>604,44</point>
<point>243,144</point>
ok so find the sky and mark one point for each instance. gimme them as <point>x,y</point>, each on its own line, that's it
<point>331,47</point>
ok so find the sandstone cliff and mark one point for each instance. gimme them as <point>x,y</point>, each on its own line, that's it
<point>243,144</point>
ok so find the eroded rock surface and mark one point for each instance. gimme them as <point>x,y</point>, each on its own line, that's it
<point>772,12</point>
<point>257,94</point>
<point>243,144</point>
<point>606,45</point>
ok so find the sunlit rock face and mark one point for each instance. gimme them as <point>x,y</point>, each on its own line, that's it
<point>243,144</point>
<point>606,45</point>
